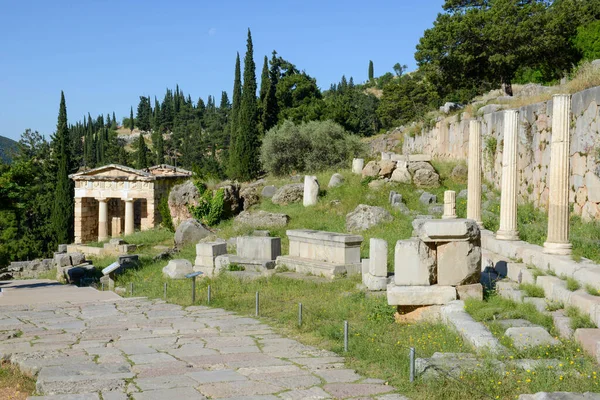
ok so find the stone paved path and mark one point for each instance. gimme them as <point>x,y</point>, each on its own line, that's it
<point>150,350</point>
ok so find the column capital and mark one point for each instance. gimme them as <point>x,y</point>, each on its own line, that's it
<point>101,199</point>
<point>128,200</point>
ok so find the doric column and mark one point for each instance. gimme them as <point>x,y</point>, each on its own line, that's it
<point>102,220</point>
<point>474,177</point>
<point>78,220</point>
<point>508,197</point>
<point>449,204</point>
<point>558,199</point>
<point>129,227</point>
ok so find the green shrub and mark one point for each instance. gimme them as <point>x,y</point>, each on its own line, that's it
<point>210,205</point>
<point>309,147</point>
<point>165,214</point>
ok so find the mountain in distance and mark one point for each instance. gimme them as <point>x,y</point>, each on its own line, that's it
<point>8,148</point>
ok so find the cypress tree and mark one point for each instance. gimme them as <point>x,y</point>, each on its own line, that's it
<point>264,81</point>
<point>271,108</point>
<point>247,143</point>
<point>233,121</point>
<point>62,214</point>
<point>160,149</point>
<point>114,120</point>
<point>370,70</point>
<point>142,156</point>
<point>131,122</point>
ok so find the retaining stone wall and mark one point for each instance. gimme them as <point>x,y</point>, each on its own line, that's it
<point>449,139</point>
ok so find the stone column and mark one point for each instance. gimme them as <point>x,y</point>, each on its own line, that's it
<point>78,220</point>
<point>508,197</point>
<point>129,227</point>
<point>474,177</point>
<point>311,191</point>
<point>358,165</point>
<point>449,204</point>
<point>558,199</point>
<point>102,220</point>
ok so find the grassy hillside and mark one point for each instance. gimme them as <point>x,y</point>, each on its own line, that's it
<point>8,148</point>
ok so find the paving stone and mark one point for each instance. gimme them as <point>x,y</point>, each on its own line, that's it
<point>164,382</point>
<point>515,323</point>
<point>527,337</point>
<point>151,358</point>
<point>216,376</point>
<point>313,393</point>
<point>115,395</point>
<point>238,388</point>
<point>85,396</point>
<point>343,390</point>
<point>338,375</point>
<point>176,393</point>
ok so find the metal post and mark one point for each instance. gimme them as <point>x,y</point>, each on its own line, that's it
<point>103,286</point>
<point>131,288</point>
<point>208,295</point>
<point>299,314</point>
<point>412,364</point>
<point>165,291</point>
<point>257,301</point>
<point>345,336</point>
<point>193,290</point>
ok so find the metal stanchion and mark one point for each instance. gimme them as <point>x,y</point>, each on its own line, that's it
<point>208,295</point>
<point>299,314</point>
<point>345,336</point>
<point>193,276</point>
<point>165,291</point>
<point>257,303</point>
<point>412,364</point>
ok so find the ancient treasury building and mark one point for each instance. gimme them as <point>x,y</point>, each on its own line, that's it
<point>113,200</point>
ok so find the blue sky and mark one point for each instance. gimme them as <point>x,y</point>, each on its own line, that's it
<point>105,54</point>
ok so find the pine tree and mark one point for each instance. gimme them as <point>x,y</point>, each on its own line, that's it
<point>142,156</point>
<point>62,215</point>
<point>131,122</point>
<point>371,70</point>
<point>233,121</point>
<point>271,108</point>
<point>247,143</point>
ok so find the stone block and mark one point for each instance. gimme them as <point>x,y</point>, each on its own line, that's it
<point>386,168</point>
<point>420,295</point>
<point>378,251</point>
<point>414,263</point>
<point>365,265</point>
<point>518,272</point>
<point>332,247</point>
<point>371,169</point>
<point>62,260</point>
<point>458,263</point>
<point>555,289</point>
<point>427,198</point>
<point>311,191</point>
<point>335,180</point>
<point>528,337</point>
<point>562,323</point>
<point>473,291</point>
<point>258,248</point>
<point>589,338</point>
<point>208,251</point>
<point>357,165</point>
<point>375,282</point>
<point>585,302</point>
<point>448,230</point>
<point>268,191</point>
<point>62,248</point>
<point>178,269</point>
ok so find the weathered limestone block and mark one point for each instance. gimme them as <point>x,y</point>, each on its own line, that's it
<point>332,247</point>
<point>268,191</point>
<point>364,217</point>
<point>555,288</point>
<point>414,166</point>
<point>589,338</point>
<point>420,295</point>
<point>473,291</point>
<point>425,178</point>
<point>311,191</point>
<point>178,269</point>
<point>414,263</point>
<point>371,169</point>
<point>258,248</point>
<point>375,283</point>
<point>206,252</point>
<point>592,182</point>
<point>287,194</point>
<point>528,337</point>
<point>518,272</point>
<point>378,251</point>
<point>261,219</point>
<point>458,263</point>
<point>453,230</point>
<point>357,165</point>
<point>427,198</point>
<point>190,231</point>
<point>401,174</point>
<point>180,198</point>
<point>336,180</point>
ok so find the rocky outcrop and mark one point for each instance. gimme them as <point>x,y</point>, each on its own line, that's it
<point>181,198</point>
<point>249,197</point>
<point>190,231</point>
<point>287,194</point>
<point>232,203</point>
<point>364,217</point>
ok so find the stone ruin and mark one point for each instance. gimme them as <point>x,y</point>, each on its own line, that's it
<point>414,168</point>
<point>320,253</point>
<point>440,263</point>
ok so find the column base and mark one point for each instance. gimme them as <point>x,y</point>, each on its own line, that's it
<point>102,239</point>
<point>507,235</point>
<point>561,249</point>
<point>449,217</point>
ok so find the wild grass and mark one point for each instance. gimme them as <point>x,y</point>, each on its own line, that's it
<point>578,318</point>
<point>573,284</point>
<point>532,290</point>
<point>591,290</point>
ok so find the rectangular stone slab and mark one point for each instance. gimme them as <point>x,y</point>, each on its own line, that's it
<point>258,248</point>
<point>414,263</point>
<point>332,247</point>
<point>446,230</point>
<point>419,295</point>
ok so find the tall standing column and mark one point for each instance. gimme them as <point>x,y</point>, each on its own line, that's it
<point>558,199</point>
<point>129,217</point>
<point>474,177</point>
<point>508,197</point>
<point>102,220</point>
<point>78,220</point>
